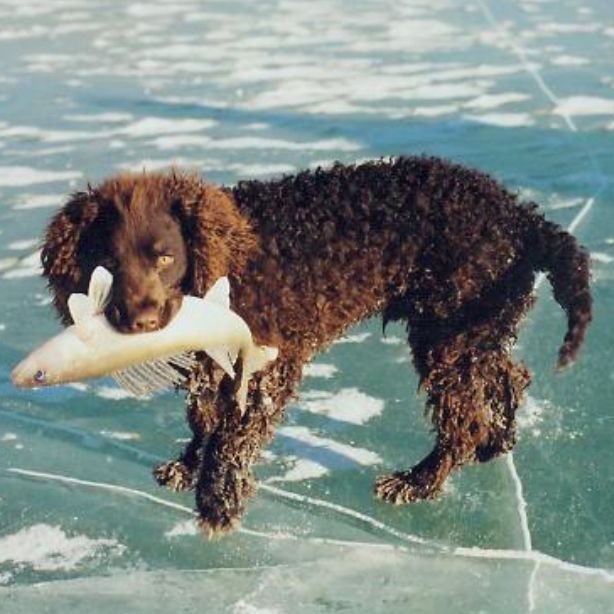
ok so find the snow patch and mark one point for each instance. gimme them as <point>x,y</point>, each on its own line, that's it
<point>570,60</point>
<point>353,338</point>
<point>179,141</point>
<point>80,386</point>
<point>601,257</point>
<point>348,405</point>
<point>113,394</point>
<point>444,91</point>
<point>252,142</point>
<point>507,120</point>
<point>492,101</point>
<point>29,266</point>
<point>8,263</point>
<point>567,203</point>
<point>147,9</point>
<point>357,455</point>
<point>320,369</point>
<point>531,415</point>
<point>107,118</point>
<point>121,435</point>
<point>243,607</point>
<point>151,164</point>
<point>19,33</point>
<point>149,126</point>
<point>51,136</point>
<point>37,201</point>
<point>301,469</point>
<point>23,244</point>
<point>185,527</point>
<point>17,176</point>
<point>568,28</point>
<point>436,110</point>
<point>393,340</point>
<point>253,170</point>
<point>585,105</point>
<point>44,547</point>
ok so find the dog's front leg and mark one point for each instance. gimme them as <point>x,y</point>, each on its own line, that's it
<point>203,419</point>
<point>225,481</point>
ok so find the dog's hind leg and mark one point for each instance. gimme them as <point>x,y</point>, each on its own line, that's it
<point>474,389</point>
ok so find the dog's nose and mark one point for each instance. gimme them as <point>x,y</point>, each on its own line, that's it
<point>146,321</point>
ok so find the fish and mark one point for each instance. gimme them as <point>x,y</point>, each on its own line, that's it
<point>145,362</point>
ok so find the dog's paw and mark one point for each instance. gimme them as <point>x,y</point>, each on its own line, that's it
<point>406,487</point>
<point>218,515</point>
<point>217,525</point>
<point>221,499</point>
<point>174,475</point>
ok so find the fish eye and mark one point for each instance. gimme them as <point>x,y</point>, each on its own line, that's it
<point>40,376</point>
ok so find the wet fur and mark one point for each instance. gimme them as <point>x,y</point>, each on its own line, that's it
<point>444,249</point>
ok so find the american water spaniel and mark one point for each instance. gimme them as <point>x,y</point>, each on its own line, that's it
<point>443,248</point>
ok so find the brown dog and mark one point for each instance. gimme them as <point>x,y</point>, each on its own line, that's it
<point>443,248</point>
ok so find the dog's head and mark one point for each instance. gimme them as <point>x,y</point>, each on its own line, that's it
<point>160,235</point>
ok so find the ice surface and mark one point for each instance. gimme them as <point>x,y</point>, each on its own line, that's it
<point>332,578</point>
<point>237,89</point>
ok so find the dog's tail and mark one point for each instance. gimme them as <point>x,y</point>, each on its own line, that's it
<point>556,252</point>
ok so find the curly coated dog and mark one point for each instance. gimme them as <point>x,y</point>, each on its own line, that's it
<point>445,249</point>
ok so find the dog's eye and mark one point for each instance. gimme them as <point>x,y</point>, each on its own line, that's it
<point>164,261</point>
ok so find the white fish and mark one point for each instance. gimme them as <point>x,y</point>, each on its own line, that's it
<point>143,362</point>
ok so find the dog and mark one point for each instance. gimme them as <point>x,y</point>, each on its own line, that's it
<point>442,248</point>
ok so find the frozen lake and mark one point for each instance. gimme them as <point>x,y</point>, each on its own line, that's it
<point>238,89</point>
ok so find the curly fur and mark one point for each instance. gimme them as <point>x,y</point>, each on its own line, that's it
<point>444,249</point>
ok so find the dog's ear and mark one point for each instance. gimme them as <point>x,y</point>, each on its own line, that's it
<point>60,249</point>
<point>218,238</point>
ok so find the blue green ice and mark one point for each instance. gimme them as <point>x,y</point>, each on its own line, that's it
<point>519,88</point>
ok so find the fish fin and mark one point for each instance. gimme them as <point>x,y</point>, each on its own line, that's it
<point>133,381</point>
<point>99,288</point>
<point>219,293</point>
<point>261,356</point>
<point>223,357</point>
<point>124,380</point>
<point>81,310</point>
<point>154,375</point>
<point>185,360</point>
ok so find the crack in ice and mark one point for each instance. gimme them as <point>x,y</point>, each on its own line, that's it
<point>567,117</point>
<point>434,548</point>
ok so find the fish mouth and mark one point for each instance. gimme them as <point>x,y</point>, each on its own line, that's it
<point>28,374</point>
<point>18,376</point>
<point>22,376</point>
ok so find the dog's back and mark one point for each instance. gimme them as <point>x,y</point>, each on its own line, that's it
<point>412,237</point>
